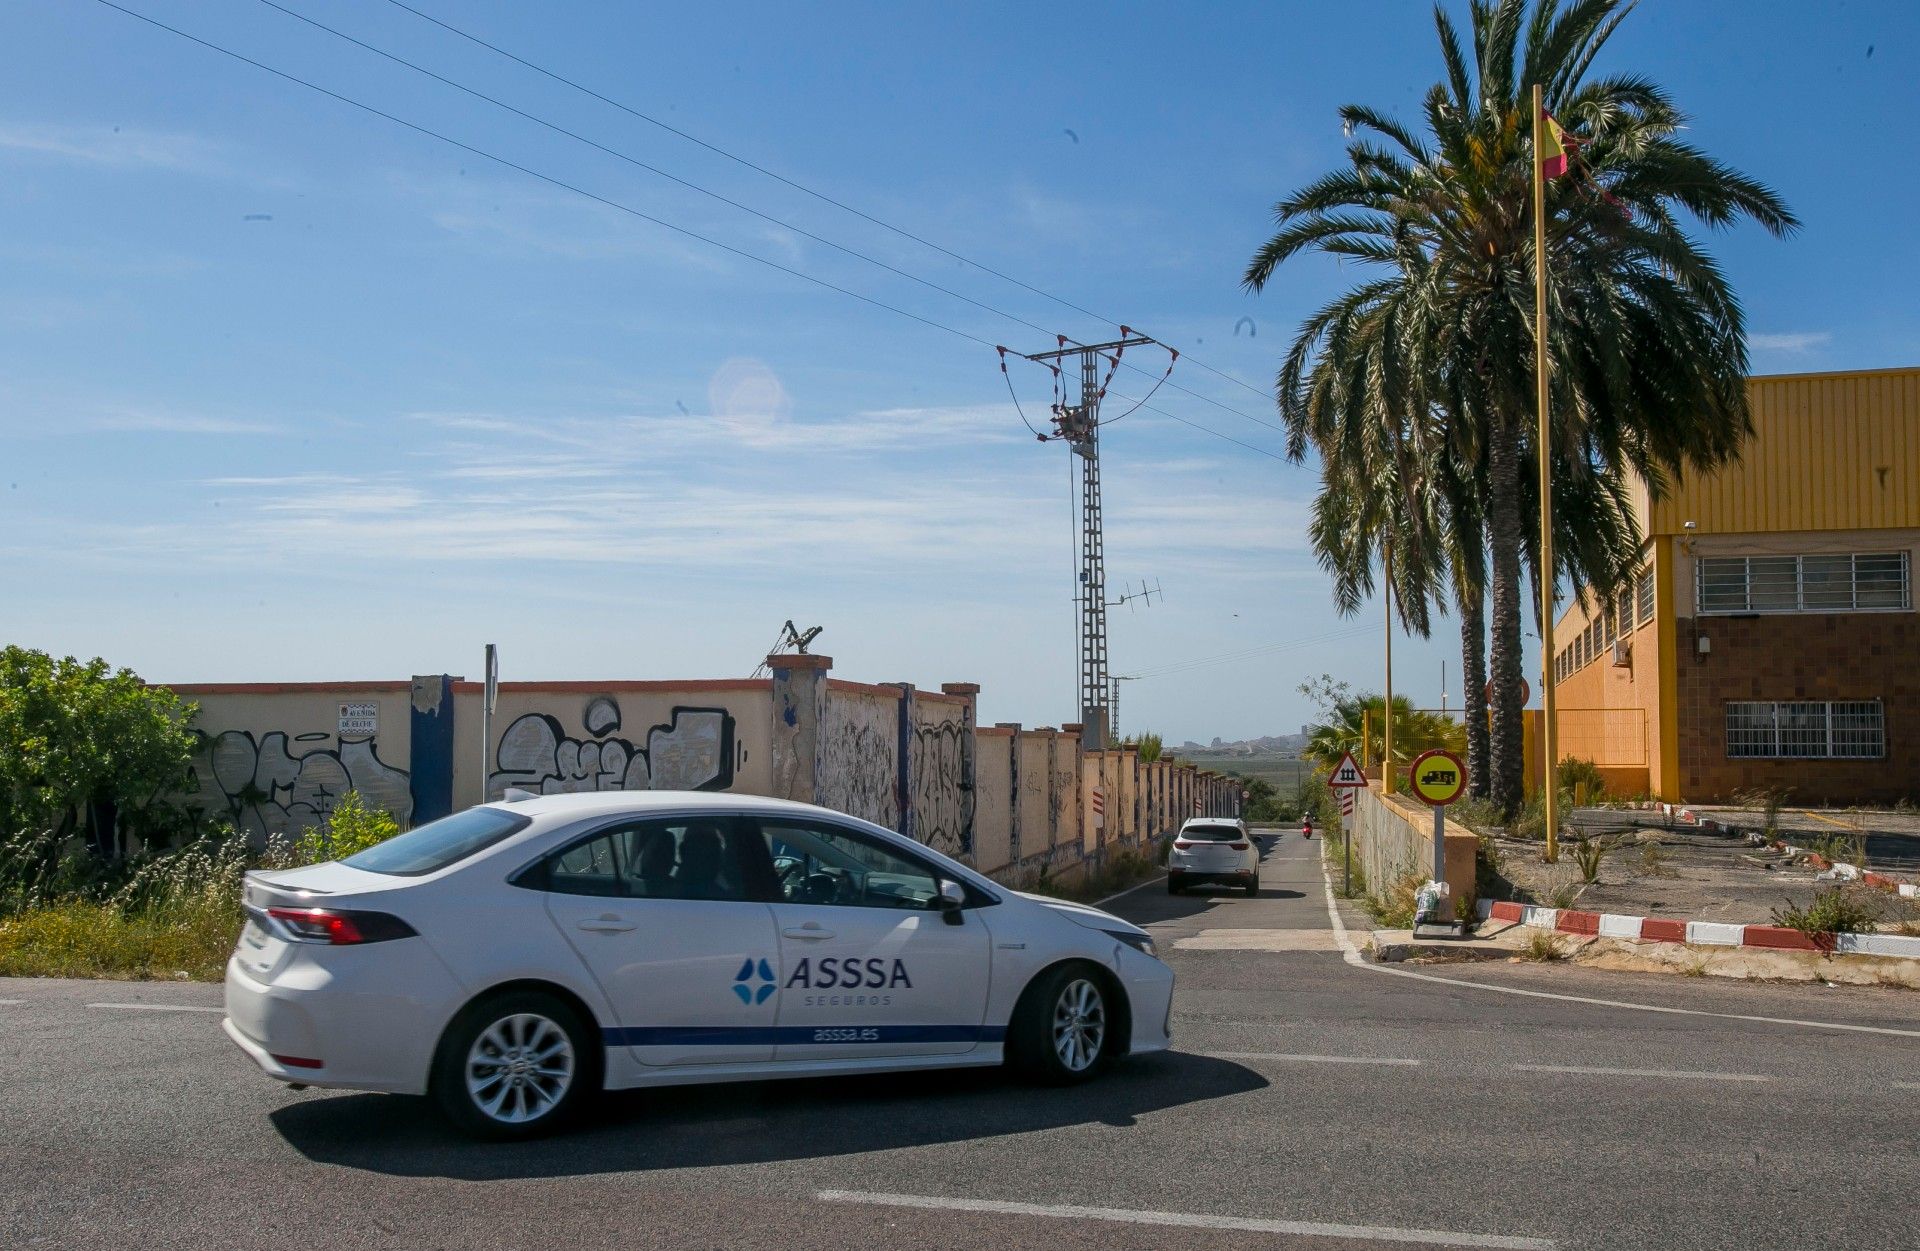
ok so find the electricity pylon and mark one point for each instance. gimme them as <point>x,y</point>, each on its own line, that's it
<point>1079,425</point>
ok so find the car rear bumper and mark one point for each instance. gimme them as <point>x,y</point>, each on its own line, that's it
<point>1236,877</point>
<point>358,1038</point>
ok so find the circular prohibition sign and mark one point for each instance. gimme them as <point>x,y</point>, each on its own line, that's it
<point>1438,777</point>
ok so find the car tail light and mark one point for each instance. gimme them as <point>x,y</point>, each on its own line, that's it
<point>1182,843</point>
<point>299,1062</point>
<point>338,927</point>
<point>1238,846</point>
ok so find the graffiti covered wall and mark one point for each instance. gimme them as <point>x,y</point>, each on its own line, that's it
<point>860,753</point>
<point>942,792</point>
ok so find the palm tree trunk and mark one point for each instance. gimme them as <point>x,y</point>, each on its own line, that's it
<point>1473,681</point>
<point>1506,772</point>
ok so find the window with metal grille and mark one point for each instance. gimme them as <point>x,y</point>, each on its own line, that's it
<point>1807,729</point>
<point>1844,582</point>
<point>1643,595</point>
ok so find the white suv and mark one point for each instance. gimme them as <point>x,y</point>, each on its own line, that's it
<point>1217,850</point>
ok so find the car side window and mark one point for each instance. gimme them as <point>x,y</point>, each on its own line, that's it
<point>692,858</point>
<point>591,867</point>
<point>818,863</point>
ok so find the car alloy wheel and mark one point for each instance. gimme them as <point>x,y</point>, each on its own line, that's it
<point>1079,1025</point>
<point>520,1068</point>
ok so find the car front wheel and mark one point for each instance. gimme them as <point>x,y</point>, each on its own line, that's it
<point>1061,1030</point>
<point>513,1066</point>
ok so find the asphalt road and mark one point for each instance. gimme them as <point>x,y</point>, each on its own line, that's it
<point>1313,1103</point>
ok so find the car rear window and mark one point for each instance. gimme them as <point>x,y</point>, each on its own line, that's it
<point>437,844</point>
<point>1213,833</point>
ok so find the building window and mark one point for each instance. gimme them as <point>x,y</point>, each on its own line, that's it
<point>1855,582</point>
<point>1807,730</point>
<point>1643,595</point>
<point>1623,611</point>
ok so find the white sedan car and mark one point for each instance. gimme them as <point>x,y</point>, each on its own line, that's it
<point>512,959</point>
<point>1218,850</point>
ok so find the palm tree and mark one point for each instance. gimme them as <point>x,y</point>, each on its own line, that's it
<point>1356,724</point>
<point>1646,340</point>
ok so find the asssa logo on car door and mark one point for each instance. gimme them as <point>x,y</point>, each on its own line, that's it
<point>754,982</point>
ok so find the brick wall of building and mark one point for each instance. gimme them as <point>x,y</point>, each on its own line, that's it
<point>1850,656</point>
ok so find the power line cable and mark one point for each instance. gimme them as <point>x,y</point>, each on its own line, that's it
<point>546,178</point>
<point>722,198</point>
<point>822,196</point>
<point>1182,666</point>
<point>614,204</point>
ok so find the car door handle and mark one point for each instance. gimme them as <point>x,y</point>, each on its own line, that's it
<point>606,925</point>
<point>809,930</point>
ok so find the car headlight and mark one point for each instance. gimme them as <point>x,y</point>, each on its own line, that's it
<point>1139,942</point>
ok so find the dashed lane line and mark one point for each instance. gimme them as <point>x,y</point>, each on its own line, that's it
<point>1190,1220</point>
<point>1351,954</point>
<point>159,1007</point>
<point>1309,1059</point>
<point>1697,1074</point>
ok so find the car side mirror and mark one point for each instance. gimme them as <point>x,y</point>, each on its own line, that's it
<point>952,898</point>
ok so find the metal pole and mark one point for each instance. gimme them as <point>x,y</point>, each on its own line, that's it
<point>1346,854</point>
<point>1548,754</point>
<point>1439,844</point>
<point>488,676</point>
<point>1386,751</point>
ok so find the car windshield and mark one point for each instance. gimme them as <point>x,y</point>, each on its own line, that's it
<point>1212,833</point>
<point>438,844</point>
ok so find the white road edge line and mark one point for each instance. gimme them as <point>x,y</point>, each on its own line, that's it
<point>1288,1055</point>
<point>1694,1073</point>
<point>1351,954</point>
<point>8,1003</point>
<point>1188,1220</point>
<point>1136,886</point>
<point>159,1007</point>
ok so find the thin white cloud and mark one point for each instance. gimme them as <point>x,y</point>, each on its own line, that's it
<point>116,147</point>
<point>1792,341</point>
<point>160,421</point>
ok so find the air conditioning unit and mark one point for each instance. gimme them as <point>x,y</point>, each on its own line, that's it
<point>1622,654</point>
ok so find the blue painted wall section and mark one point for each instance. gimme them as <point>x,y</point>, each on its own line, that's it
<point>430,753</point>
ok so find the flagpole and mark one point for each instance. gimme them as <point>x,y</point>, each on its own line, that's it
<point>1545,578</point>
<point>1386,748</point>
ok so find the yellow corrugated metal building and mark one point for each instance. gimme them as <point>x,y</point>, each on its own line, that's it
<point>1770,639</point>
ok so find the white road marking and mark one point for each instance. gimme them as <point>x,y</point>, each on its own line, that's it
<point>1136,886</point>
<point>1907,1085</point>
<point>1190,1220</point>
<point>159,1007</point>
<point>1351,954</point>
<point>1696,1073</point>
<point>8,1003</point>
<point>1288,1055</point>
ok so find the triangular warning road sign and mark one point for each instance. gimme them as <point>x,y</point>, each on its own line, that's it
<point>1346,774</point>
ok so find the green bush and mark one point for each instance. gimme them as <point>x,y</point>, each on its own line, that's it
<point>1832,912</point>
<point>351,827</point>
<point>1575,773</point>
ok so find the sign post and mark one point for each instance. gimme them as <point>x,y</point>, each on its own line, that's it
<point>1438,778</point>
<point>1346,778</point>
<point>490,692</point>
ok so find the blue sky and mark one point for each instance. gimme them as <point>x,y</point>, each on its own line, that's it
<point>289,392</point>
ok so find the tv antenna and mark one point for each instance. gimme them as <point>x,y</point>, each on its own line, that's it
<point>1143,596</point>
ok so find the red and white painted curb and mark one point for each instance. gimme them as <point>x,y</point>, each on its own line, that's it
<point>1698,933</point>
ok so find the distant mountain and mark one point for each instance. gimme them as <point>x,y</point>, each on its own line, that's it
<point>1270,745</point>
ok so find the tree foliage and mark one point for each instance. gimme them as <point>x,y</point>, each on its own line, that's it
<point>80,741</point>
<point>1416,387</point>
<point>1357,724</point>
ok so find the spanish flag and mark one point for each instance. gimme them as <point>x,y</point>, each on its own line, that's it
<point>1556,147</point>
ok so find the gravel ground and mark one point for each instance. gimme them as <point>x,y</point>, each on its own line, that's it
<point>1690,873</point>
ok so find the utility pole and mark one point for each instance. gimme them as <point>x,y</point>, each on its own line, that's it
<point>1079,425</point>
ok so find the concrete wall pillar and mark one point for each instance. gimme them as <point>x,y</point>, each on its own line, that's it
<point>1013,789</point>
<point>970,691</point>
<point>799,701</point>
